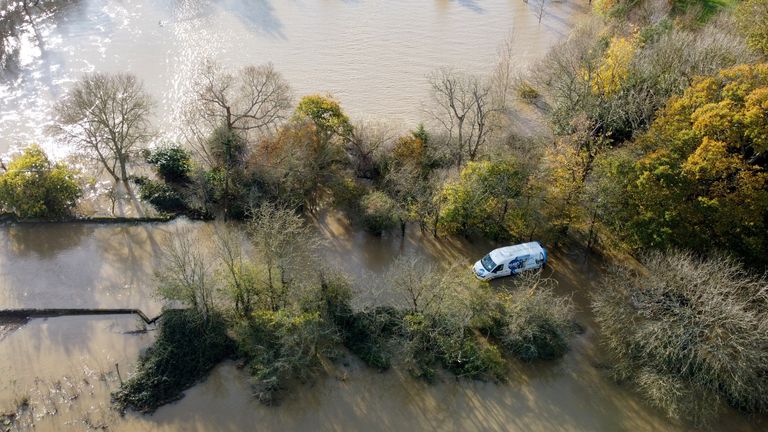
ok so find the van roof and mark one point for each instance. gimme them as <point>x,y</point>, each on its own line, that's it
<point>505,253</point>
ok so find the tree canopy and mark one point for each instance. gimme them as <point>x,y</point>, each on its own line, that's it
<point>701,182</point>
<point>34,187</point>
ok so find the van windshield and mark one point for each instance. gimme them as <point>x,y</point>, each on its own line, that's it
<point>488,263</point>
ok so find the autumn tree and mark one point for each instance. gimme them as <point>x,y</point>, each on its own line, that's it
<point>752,19</point>
<point>296,166</point>
<point>326,114</point>
<point>702,181</point>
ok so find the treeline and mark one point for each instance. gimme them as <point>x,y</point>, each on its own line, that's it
<point>265,299</point>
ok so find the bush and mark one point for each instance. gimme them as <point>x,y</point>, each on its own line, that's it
<point>161,195</point>
<point>440,341</point>
<point>173,163</point>
<point>281,347</point>
<point>33,187</point>
<point>686,330</point>
<point>368,333</point>
<point>526,92</point>
<point>188,346</point>
<point>537,325</point>
<point>379,212</point>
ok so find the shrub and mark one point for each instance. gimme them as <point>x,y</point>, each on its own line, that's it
<point>537,325</point>
<point>438,340</point>
<point>33,187</point>
<point>379,212</point>
<point>173,163</point>
<point>187,348</point>
<point>161,195</point>
<point>688,331</point>
<point>526,92</point>
<point>281,347</point>
<point>530,322</point>
<point>367,333</point>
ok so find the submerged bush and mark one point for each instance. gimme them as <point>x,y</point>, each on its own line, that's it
<point>688,330</point>
<point>188,346</point>
<point>173,163</point>
<point>281,347</point>
<point>529,322</point>
<point>440,341</point>
<point>161,195</point>
<point>379,212</point>
<point>537,325</point>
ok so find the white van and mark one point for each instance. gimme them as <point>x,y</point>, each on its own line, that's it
<point>511,260</point>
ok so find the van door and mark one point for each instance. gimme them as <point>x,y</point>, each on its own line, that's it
<point>500,270</point>
<point>516,265</point>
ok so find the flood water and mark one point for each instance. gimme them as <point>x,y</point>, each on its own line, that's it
<point>372,55</point>
<point>67,365</point>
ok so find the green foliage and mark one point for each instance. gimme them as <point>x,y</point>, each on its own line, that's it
<point>173,163</point>
<point>33,187</point>
<point>438,340</point>
<point>188,346</point>
<point>379,212</point>
<point>530,322</point>
<point>283,346</point>
<point>160,194</point>
<point>752,20</point>
<point>479,202</point>
<point>687,332</point>
<point>702,182</point>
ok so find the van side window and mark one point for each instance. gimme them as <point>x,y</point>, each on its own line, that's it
<point>498,267</point>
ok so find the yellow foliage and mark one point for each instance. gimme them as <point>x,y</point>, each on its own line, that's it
<point>603,7</point>
<point>614,67</point>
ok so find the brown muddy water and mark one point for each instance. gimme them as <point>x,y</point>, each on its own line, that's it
<point>66,366</point>
<point>372,55</point>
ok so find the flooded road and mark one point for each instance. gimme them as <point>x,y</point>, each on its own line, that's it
<point>66,365</point>
<point>372,55</point>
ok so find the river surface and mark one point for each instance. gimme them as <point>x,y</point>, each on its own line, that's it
<point>372,55</point>
<point>66,366</point>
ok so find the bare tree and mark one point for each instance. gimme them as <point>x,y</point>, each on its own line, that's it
<point>239,272</point>
<point>367,141</point>
<point>688,331</point>
<point>465,108</point>
<point>285,247</point>
<point>107,117</point>
<point>186,274</point>
<point>254,99</point>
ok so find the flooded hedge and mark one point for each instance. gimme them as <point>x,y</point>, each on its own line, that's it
<point>188,346</point>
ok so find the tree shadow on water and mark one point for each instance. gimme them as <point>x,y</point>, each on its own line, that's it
<point>258,15</point>
<point>42,240</point>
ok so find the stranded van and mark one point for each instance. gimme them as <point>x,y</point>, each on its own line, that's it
<point>511,260</point>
